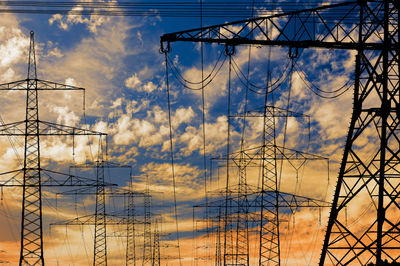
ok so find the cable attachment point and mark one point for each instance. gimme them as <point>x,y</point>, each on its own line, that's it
<point>229,49</point>
<point>293,52</point>
<point>163,49</point>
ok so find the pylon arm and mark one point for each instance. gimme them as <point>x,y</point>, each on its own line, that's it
<point>41,85</point>
<point>285,200</point>
<point>251,157</point>
<point>45,129</point>
<point>328,26</point>
<point>105,164</point>
<point>53,129</point>
<point>50,179</point>
<point>270,110</point>
<point>111,191</point>
<point>90,220</point>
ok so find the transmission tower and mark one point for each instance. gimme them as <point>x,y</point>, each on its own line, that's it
<point>236,235</point>
<point>147,245</point>
<point>31,129</point>
<point>100,217</point>
<point>156,261</point>
<point>371,28</point>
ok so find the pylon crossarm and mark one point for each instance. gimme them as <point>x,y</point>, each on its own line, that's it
<point>15,85</point>
<point>111,191</point>
<point>273,110</point>
<point>105,164</point>
<point>285,200</point>
<point>304,28</point>
<point>41,85</point>
<point>69,180</point>
<point>49,85</point>
<point>90,220</point>
<point>46,129</point>
<point>48,180</point>
<point>295,201</point>
<point>13,129</point>
<point>11,181</point>
<point>53,129</point>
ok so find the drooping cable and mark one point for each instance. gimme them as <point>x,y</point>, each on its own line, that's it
<point>230,53</point>
<point>12,142</point>
<point>292,213</point>
<point>86,123</point>
<point>286,119</point>
<point>204,82</point>
<point>204,79</point>
<point>260,89</point>
<point>204,114</point>
<point>172,157</point>
<point>317,91</point>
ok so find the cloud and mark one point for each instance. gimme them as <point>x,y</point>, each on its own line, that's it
<point>132,81</point>
<point>92,22</point>
<point>13,47</point>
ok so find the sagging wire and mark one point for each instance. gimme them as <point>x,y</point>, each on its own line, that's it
<point>292,58</point>
<point>204,82</point>
<point>260,89</point>
<point>204,112</point>
<point>86,123</point>
<point>317,91</point>
<point>172,154</point>
<point>229,51</point>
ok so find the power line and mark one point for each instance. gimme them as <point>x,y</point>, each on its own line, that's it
<point>165,8</point>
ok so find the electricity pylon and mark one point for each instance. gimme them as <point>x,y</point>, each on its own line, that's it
<point>31,129</point>
<point>156,259</point>
<point>100,217</point>
<point>371,28</point>
<point>147,244</point>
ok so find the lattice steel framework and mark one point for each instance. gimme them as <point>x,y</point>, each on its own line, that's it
<point>100,219</point>
<point>237,252</point>
<point>368,174</point>
<point>130,231</point>
<point>156,260</point>
<point>32,128</point>
<point>147,244</point>
<point>100,226</point>
<point>31,228</point>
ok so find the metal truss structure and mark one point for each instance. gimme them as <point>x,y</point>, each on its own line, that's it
<point>100,218</point>
<point>34,176</point>
<point>367,174</point>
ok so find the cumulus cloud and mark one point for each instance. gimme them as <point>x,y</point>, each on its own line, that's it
<point>13,47</point>
<point>132,81</point>
<point>64,22</point>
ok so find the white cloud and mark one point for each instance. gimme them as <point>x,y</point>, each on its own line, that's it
<point>132,81</point>
<point>70,82</point>
<point>65,116</point>
<point>92,22</point>
<point>7,75</point>
<point>149,87</point>
<point>13,46</point>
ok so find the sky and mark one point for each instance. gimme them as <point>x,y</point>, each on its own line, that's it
<point>117,61</point>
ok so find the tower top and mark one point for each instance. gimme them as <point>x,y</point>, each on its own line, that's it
<point>32,58</point>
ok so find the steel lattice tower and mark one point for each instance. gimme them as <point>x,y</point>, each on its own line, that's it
<point>31,227</point>
<point>147,245</point>
<point>100,227</point>
<point>156,260</point>
<point>100,219</point>
<point>32,128</point>
<point>371,175</point>
<point>368,175</point>
<point>130,230</point>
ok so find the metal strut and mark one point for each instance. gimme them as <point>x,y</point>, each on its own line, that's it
<point>368,181</point>
<point>31,252</point>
